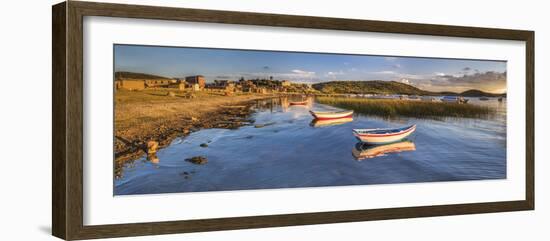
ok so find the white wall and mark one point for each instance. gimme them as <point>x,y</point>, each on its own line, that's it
<point>25,126</point>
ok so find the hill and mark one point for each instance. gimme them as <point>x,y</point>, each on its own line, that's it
<point>368,87</point>
<point>133,75</point>
<point>388,87</point>
<point>478,93</point>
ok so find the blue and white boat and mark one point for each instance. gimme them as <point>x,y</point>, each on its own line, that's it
<point>454,99</point>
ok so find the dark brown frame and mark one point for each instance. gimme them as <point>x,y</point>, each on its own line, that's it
<point>67,158</point>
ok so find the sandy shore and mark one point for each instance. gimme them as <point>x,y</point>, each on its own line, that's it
<point>155,115</point>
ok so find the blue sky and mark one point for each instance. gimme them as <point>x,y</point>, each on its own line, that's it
<point>426,73</point>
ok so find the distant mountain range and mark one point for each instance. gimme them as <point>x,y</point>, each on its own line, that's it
<point>387,87</point>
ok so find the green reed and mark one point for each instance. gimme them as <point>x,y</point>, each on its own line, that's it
<point>408,108</point>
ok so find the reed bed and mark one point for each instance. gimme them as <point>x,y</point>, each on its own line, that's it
<point>408,108</point>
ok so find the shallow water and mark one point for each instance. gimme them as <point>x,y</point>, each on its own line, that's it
<point>288,150</point>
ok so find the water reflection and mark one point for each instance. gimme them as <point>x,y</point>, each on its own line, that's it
<point>284,103</point>
<point>153,158</point>
<point>330,122</point>
<point>363,151</point>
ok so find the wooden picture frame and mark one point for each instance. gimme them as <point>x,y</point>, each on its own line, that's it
<point>67,152</point>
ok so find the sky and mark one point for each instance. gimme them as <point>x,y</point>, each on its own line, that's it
<point>432,74</point>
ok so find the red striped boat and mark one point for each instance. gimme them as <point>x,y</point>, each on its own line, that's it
<point>298,102</point>
<point>322,115</point>
<point>383,136</point>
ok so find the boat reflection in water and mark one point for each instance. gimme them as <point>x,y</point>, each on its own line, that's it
<point>330,122</point>
<point>364,151</point>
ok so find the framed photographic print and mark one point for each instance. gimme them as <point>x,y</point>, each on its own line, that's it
<point>170,120</point>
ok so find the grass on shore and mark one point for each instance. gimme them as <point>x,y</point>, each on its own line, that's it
<point>395,108</point>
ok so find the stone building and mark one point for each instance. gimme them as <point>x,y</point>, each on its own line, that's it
<point>157,83</point>
<point>196,79</point>
<point>129,84</point>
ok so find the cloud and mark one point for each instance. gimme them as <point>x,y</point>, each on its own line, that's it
<point>334,74</point>
<point>405,81</point>
<point>388,72</point>
<point>489,81</point>
<point>303,73</point>
<point>299,71</point>
<point>396,66</point>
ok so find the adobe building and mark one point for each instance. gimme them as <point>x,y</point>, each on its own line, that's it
<point>156,83</point>
<point>196,79</point>
<point>130,84</point>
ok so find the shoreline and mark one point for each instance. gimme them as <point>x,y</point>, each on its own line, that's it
<point>173,117</point>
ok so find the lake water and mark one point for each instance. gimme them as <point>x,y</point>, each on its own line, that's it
<point>291,151</point>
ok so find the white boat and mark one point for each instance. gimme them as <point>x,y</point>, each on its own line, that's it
<point>428,98</point>
<point>324,115</point>
<point>383,135</point>
<point>454,99</point>
<point>362,151</point>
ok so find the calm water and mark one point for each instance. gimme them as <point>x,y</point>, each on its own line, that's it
<point>291,151</point>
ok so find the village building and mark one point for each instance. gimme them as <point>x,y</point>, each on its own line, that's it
<point>129,84</point>
<point>285,83</point>
<point>247,86</point>
<point>195,87</point>
<point>222,85</point>
<point>196,79</point>
<point>261,90</point>
<point>157,83</point>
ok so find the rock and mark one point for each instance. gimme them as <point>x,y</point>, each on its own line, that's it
<point>152,147</point>
<point>153,158</point>
<point>199,160</point>
<point>204,145</point>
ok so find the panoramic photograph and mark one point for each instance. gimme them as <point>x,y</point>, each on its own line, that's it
<point>190,119</point>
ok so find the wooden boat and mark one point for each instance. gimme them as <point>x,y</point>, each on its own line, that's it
<point>428,98</point>
<point>298,102</point>
<point>330,122</point>
<point>362,151</point>
<point>324,115</point>
<point>383,135</point>
<point>454,99</point>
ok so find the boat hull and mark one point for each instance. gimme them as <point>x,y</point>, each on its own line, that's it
<point>386,138</point>
<point>332,115</point>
